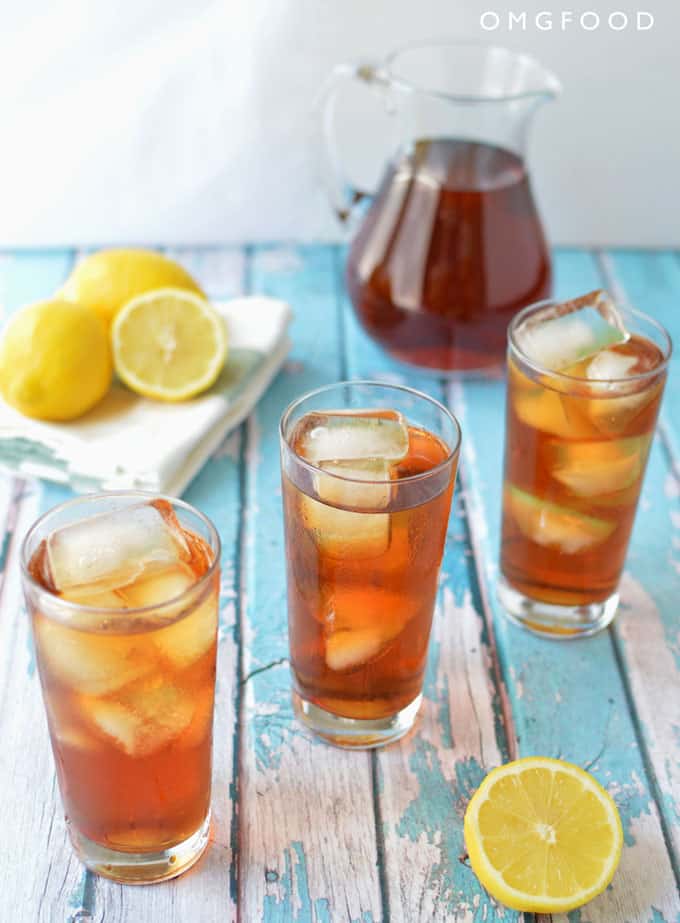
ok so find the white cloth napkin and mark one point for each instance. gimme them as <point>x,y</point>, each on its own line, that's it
<point>127,441</point>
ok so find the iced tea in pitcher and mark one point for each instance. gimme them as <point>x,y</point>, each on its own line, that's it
<point>450,250</point>
<point>123,593</point>
<point>585,380</point>
<point>452,245</point>
<point>367,494</point>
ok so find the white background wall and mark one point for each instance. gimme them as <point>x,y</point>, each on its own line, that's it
<point>189,120</point>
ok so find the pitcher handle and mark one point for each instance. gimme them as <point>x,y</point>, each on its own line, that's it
<point>343,195</point>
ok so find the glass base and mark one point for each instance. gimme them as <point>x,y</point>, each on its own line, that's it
<point>144,868</point>
<point>355,733</point>
<point>562,623</point>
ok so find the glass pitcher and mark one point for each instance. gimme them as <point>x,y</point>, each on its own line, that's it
<point>452,244</point>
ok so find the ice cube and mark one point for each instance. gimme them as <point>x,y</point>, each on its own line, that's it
<point>553,526</point>
<point>93,596</point>
<point>144,717</point>
<point>609,365</point>
<point>353,435</point>
<point>348,492</point>
<point>551,412</point>
<point>596,469</point>
<point>162,586</point>
<point>113,549</point>
<point>348,650</point>
<point>63,715</point>
<point>191,636</point>
<point>116,721</point>
<point>341,533</point>
<point>93,663</point>
<point>611,414</point>
<point>201,723</point>
<point>615,415</point>
<point>564,334</point>
<point>543,409</point>
<point>359,626</point>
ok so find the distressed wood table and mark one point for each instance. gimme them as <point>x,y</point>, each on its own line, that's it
<point>303,832</point>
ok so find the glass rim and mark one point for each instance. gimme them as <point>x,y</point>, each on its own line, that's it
<point>553,86</point>
<point>412,478</point>
<point>72,606</point>
<point>562,376</point>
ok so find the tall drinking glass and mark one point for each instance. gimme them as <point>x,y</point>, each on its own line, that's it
<point>576,448</point>
<point>122,590</point>
<point>368,473</point>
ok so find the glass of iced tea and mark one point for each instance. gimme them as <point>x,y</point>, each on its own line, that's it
<point>368,471</point>
<point>585,380</point>
<point>122,590</point>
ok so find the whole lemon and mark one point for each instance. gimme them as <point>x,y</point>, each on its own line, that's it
<point>55,360</point>
<point>107,280</point>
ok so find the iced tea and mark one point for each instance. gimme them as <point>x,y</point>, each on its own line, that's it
<point>451,248</point>
<point>577,441</point>
<point>124,612</point>
<point>366,512</point>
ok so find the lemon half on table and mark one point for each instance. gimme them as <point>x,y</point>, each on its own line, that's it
<point>543,835</point>
<point>168,344</point>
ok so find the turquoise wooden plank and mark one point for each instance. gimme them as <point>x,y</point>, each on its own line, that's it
<point>219,271</point>
<point>568,700</point>
<point>308,848</point>
<point>648,632</point>
<point>426,780</point>
<point>31,276</point>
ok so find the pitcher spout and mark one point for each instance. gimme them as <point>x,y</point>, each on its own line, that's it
<point>511,76</point>
<point>541,84</point>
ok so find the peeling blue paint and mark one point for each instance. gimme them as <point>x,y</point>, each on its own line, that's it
<point>4,548</point>
<point>658,917</point>
<point>439,816</point>
<point>296,905</point>
<point>438,695</point>
<point>632,803</point>
<point>81,901</point>
<point>272,729</point>
<point>302,884</point>
<point>322,909</point>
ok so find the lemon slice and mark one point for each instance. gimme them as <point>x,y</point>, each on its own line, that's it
<point>555,526</point>
<point>543,835</point>
<point>168,344</point>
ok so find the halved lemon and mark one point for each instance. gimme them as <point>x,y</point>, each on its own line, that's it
<point>168,344</point>
<point>543,835</point>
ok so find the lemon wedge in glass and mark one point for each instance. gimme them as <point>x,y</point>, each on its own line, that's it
<point>168,344</point>
<point>543,835</point>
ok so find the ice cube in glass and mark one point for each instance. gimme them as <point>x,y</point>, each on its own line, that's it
<point>354,435</point>
<point>113,549</point>
<point>561,335</point>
